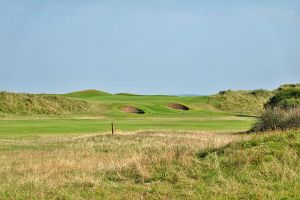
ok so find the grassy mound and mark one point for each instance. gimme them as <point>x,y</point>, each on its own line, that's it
<point>26,104</point>
<point>86,93</point>
<point>264,167</point>
<point>250,102</point>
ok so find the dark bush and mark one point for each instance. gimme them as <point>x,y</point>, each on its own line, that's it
<point>260,92</point>
<point>287,86</point>
<point>224,92</point>
<point>278,119</point>
<point>285,99</point>
<point>289,104</point>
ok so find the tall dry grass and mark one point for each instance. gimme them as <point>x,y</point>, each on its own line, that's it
<point>152,165</point>
<point>50,163</point>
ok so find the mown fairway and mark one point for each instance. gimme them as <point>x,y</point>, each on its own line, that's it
<point>35,127</point>
<point>158,116</point>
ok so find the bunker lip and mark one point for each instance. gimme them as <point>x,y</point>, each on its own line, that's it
<point>132,109</point>
<point>178,106</point>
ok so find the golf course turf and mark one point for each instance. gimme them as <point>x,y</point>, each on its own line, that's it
<point>196,153</point>
<point>157,115</point>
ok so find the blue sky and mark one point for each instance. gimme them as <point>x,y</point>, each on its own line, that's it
<point>148,47</point>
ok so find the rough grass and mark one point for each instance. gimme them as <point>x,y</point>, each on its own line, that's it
<point>244,102</point>
<point>152,165</point>
<point>28,104</point>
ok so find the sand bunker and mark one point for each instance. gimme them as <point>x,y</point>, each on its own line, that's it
<point>178,106</point>
<point>131,109</point>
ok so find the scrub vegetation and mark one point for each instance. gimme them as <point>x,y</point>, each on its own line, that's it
<point>282,111</point>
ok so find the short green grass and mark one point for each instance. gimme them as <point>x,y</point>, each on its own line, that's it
<point>202,116</point>
<point>15,128</point>
<point>151,104</point>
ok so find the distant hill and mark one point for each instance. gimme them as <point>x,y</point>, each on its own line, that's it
<point>127,94</point>
<point>41,104</point>
<point>87,93</point>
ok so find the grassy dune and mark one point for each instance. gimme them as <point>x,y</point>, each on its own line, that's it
<point>245,102</point>
<point>152,165</point>
<point>12,104</point>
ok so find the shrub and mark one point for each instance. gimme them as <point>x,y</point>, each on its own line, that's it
<point>285,99</point>
<point>224,92</point>
<point>278,119</point>
<point>289,103</point>
<point>260,92</point>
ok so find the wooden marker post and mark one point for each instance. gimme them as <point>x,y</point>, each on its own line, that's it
<point>112,128</point>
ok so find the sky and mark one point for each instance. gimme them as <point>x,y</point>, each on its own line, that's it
<point>148,47</point>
